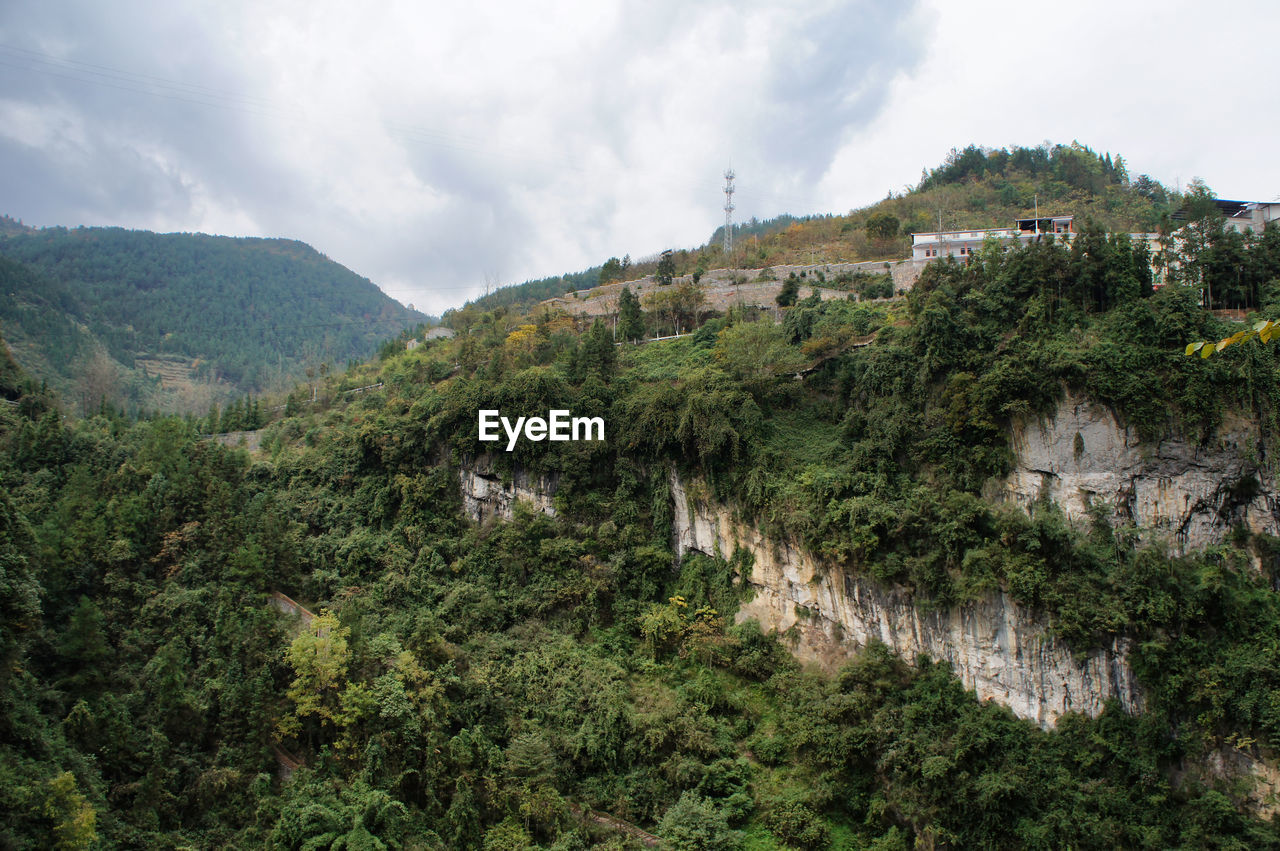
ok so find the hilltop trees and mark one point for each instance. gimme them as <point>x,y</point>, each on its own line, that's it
<point>1076,165</point>
<point>666,269</point>
<point>611,271</point>
<point>630,316</point>
<point>245,312</point>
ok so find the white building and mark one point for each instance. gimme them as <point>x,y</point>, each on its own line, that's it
<point>1249,215</point>
<point>963,243</point>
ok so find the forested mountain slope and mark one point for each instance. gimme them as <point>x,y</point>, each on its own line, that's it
<point>152,320</point>
<point>476,685</point>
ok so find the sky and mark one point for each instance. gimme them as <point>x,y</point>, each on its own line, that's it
<point>441,150</point>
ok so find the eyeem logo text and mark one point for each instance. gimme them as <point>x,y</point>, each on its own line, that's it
<point>558,425</point>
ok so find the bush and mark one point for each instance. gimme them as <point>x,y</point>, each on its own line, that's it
<point>695,823</point>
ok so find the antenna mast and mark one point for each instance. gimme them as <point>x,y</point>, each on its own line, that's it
<point>727,244</point>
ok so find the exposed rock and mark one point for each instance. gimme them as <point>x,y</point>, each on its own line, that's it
<point>1239,767</point>
<point>485,495</point>
<point>996,647</point>
<point>1190,495</point>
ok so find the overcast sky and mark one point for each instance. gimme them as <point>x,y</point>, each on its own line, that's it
<point>436,149</point>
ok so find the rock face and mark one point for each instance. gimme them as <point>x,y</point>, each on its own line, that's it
<point>995,646</point>
<point>485,495</point>
<point>1189,495</point>
<point>1246,767</point>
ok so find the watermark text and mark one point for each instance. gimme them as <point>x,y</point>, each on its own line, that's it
<point>558,425</point>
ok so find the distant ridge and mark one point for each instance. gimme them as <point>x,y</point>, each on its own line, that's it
<point>179,321</point>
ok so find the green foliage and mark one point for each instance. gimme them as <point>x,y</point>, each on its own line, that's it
<point>790,291</point>
<point>757,353</point>
<point>73,818</point>
<point>666,269</point>
<point>250,313</point>
<point>882,226</point>
<point>695,824</point>
<point>630,316</point>
<point>480,684</point>
<point>599,353</point>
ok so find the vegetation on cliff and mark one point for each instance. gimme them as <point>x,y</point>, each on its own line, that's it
<point>478,686</point>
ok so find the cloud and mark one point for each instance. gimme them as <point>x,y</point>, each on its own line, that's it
<point>431,148</point>
<point>1171,88</point>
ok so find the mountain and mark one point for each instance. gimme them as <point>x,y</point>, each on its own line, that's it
<point>177,321</point>
<point>991,564</point>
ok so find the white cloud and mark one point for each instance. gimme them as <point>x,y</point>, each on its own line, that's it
<point>436,148</point>
<point>1174,87</point>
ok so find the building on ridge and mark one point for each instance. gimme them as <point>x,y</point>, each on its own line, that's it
<point>1242,216</point>
<point>962,244</point>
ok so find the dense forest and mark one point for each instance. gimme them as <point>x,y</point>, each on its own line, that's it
<point>113,314</point>
<point>494,685</point>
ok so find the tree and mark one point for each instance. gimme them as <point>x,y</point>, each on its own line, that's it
<point>700,269</point>
<point>790,291</point>
<point>99,381</point>
<point>74,819</point>
<point>757,353</point>
<point>679,306</point>
<point>694,823</point>
<point>611,270</point>
<point>1204,224</point>
<point>599,354</point>
<point>663,303</point>
<point>630,316</point>
<point>689,301</point>
<point>666,269</point>
<point>882,226</point>
<point>319,657</point>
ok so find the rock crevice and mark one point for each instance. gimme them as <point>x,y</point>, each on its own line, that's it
<point>486,494</point>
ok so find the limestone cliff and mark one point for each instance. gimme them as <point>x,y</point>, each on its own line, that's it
<point>485,493</point>
<point>995,646</point>
<point>1189,494</point>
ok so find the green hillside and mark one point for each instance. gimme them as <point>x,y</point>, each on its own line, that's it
<point>973,188</point>
<point>492,685</point>
<point>151,319</point>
